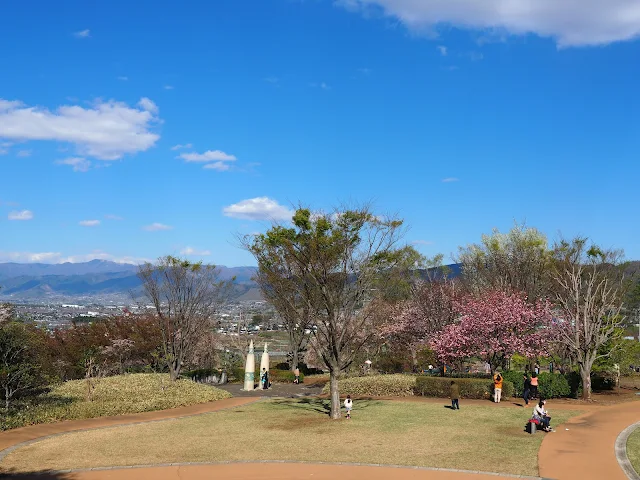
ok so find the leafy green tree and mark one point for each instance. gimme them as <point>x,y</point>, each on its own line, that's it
<point>517,261</point>
<point>329,265</point>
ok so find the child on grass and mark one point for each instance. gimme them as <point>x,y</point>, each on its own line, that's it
<point>348,404</point>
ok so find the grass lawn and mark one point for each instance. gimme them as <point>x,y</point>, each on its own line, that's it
<point>633,449</point>
<point>381,432</point>
<point>116,395</point>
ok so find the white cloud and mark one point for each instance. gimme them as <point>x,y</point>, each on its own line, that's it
<point>3,151</point>
<point>148,105</point>
<point>450,180</point>
<point>123,78</point>
<point>24,153</point>
<point>168,87</point>
<point>196,252</point>
<point>443,50</point>
<point>82,33</point>
<point>57,257</point>
<point>89,223</point>
<point>568,22</point>
<point>156,227</point>
<point>6,105</point>
<point>260,208</point>
<point>20,215</point>
<point>113,217</point>
<point>180,146</point>
<point>421,242</point>
<point>106,130</point>
<point>79,164</point>
<point>219,166</point>
<point>208,156</point>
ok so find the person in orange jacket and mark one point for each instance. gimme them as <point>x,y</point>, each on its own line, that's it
<point>497,387</point>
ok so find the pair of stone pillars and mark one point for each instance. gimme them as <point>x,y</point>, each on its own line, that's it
<point>250,368</point>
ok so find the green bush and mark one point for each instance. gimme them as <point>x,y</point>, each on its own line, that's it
<point>517,379</point>
<point>376,386</point>
<point>284,376</point>
<point>469,387</point>
<point>551,385</point>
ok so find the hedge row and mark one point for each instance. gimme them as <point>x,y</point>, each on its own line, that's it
<point>397,385</point>
<point>400,385</point>
<point>469,387</point>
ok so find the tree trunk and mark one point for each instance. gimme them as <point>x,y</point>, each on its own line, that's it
<point>7,396</point>
<point>585,373</point>
<point>414,359</point>
<point>335,395</point>
<point>174,370</point>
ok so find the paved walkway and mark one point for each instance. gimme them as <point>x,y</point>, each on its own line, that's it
<point>583,448</point>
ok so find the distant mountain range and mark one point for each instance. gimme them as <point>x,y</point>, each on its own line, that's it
<point>97,278</point>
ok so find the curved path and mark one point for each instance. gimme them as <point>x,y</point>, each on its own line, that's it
<point>583,448</point>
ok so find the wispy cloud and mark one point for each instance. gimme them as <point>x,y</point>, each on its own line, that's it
<point>443,50</point>
<point>168,87</point>
<point>107,130</point>
<point>321,85</point>
<point>123,78</point>
<point>219,166</point>
<point>58,257</point>
<point>157,227</point>
<point>450,180</point>
<point>259,208</point>
<point>89,223</point>
<point>113,217</point>
<point>273,80</point>
<point>180,146</point>
<point>24,153</point>
<point>82,33</point>
<point>193,251</point>
<point>365,71</point>
<point>20,215</point>
<point>78,164</point>
<point>421,242</point>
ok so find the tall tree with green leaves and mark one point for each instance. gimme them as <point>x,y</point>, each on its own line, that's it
<point>331,264</point>
<point>185,296</point>
<point>517,261</point>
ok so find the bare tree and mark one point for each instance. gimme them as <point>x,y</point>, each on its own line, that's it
<point>335,260</point>
<point>7,312</point>
<point>237,338</point>
<point>589,290</point>
<point>185,296</point>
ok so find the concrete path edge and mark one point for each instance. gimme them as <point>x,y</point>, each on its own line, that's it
<point>293,462</point>
<point>621,452</point>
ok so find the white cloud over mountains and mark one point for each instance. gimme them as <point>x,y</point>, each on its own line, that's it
<point>569,22</point>
<point>259,208</point>
<point>57,257</point>
<point>106,130</point>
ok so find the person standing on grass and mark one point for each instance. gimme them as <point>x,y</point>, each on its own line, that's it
<point>296,373</point>
<point>265,379</point>
<point>348,404</point>
<point>455,395</point>
<point>527,389</point>
<point>534,385</point>
<point>497,387</point>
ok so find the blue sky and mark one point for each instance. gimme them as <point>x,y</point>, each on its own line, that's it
<point>129,130</point>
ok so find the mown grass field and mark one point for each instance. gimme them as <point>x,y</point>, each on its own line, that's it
<point>122,394</point>
<point>381,432</point>
<point>633,450</point>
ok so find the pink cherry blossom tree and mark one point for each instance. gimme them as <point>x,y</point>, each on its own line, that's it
<point>414,322</point>
<point>494,326</point>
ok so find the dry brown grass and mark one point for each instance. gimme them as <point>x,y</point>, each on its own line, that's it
<point>381,432</point>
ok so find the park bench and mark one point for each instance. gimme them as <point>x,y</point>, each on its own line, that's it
<point>532,425</point>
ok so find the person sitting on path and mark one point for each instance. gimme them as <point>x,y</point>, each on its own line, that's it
<point>348,404</point>
<point>497,387</point>
<point>534,385</point>
<point>541,415</point>
<point>455,396</point>
<point>527,389</point>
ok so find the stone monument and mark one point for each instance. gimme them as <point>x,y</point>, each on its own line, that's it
<point>250,370</point>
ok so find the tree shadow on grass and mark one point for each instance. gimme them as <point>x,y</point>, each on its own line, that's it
<point>41,475</point>
<point>318,405</point>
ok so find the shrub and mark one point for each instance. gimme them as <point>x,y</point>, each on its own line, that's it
<point>551,385</point>
<point>377,386</point>
<point>284,376</point>
<point>517,379</point>
<point>469,387</point>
